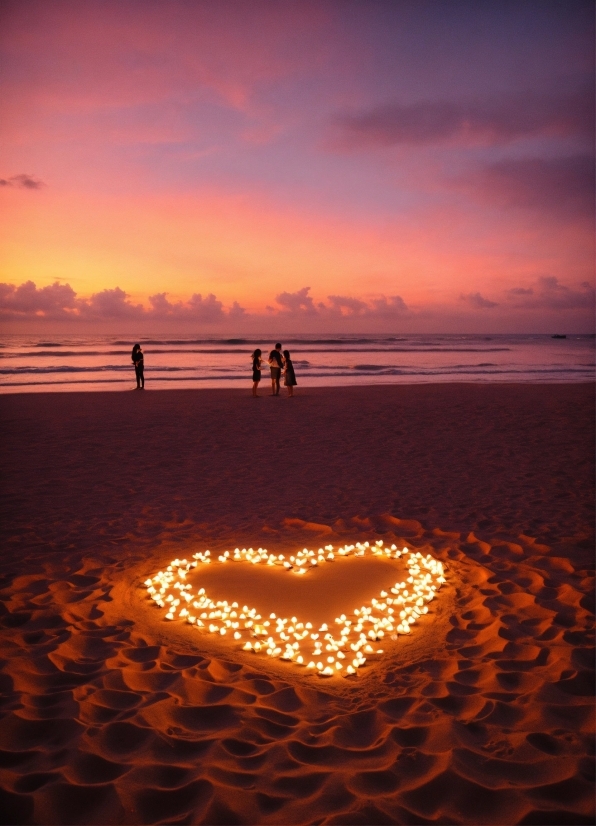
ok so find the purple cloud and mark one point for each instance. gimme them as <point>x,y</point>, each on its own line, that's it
<point>549,294</point>
<point>59,301</point>
<point>110,304</point>
<point>23,181</point>
<point>236,311</point>
<point>340,306</point>
<point>478,301</point>
<point>561,186</point>
<point>207,309</point>
<point>26,300</point>
<point>298,302</point>
<point>388,306</point>
<point>345,305</point>
<point>494,120</point>
<point>160,306</point>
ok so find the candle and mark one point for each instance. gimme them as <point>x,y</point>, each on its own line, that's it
<point>287,638</point>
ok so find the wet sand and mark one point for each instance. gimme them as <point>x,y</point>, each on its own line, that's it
<point>484,714</point>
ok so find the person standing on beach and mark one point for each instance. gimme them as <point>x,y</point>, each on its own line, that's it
<point>137,360</point>
<point>256,371</point>
<point>276,364</point>
<point>289,375</point>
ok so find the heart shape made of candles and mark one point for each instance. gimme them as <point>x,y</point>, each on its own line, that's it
<point>338,651</point>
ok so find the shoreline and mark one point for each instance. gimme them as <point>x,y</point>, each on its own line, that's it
<point>304,387</point>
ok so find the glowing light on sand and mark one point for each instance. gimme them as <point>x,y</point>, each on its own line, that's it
<point>340,651</point>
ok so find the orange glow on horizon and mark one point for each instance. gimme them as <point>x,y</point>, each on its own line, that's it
<point>249,250</point>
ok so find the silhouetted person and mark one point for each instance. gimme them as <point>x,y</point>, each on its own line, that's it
<point>289,375</point>
<point>256,371</point>
<point>276,364</point>
<point>137,360</point>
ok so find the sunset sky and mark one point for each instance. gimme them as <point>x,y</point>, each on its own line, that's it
<point>370,165</point>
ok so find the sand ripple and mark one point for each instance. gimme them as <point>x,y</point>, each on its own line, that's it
<point>105,721</point>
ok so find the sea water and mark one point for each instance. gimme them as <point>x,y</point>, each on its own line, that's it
<point>38,364</point>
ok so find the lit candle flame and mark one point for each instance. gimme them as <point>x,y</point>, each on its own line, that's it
<point>368,623</point>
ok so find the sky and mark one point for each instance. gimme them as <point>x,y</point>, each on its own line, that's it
<point>350,165</point>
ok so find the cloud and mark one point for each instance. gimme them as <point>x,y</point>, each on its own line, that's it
<point>59,301</point>
<point>236,311</point>
<point>178,51</point>
<point>56,300</point>
<point>561,186</point>
<point>388,306</point>
<point>520,291</point>
<point>339,306</point>
<point>161,307</point>
<point>394,124</point>
<point>207,309</point>
<point>478,301</point>
<point>345,305</point>
<point>23,181</point>
<point>110,304</point>
<point>496,120</point>
<point>549,294</point>
<point>298,302</point>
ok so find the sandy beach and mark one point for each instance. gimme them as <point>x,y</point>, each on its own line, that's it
<point>482,715</point>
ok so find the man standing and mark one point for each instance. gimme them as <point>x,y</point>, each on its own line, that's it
<point>276,364</point>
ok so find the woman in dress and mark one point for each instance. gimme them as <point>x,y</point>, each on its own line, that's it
<point>137,360</point>
<point>256,371</point>
<point>289,375</point>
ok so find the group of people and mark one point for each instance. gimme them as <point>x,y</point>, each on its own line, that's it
<point>278,362</point>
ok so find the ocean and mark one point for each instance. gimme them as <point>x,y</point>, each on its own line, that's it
<point>36,364</point>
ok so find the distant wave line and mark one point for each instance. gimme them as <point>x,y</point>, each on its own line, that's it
<point>88,353</point>
<point>253,342</point>
<point>232,373</point>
